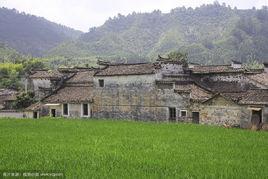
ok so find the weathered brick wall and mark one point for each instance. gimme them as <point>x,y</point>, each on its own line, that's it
<point>220,111</point>
<point>134,97</point>
<point>221,115</point>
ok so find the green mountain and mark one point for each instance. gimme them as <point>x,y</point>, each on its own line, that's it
<point>30,34</point>
<point>210,34</point>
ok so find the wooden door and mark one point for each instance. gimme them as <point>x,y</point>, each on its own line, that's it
<point>195,117</point>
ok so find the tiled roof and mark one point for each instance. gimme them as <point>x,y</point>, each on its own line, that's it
<point>82,77</point>
<point>45,74</point>
<point>34,107</point>
<point>258,96</point>
<point>197,93</point>
<point>8,95</point>
<point>225,86</point>
<point>76,89</point>
<point>127,69</point>
<point>71,94</point>
<point>254,97</point>
<point>215,69</point>
<point>261,78</point>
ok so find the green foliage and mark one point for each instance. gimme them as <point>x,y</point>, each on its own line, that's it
<point>6,68</point>
<point>128,149</point>
<point>11,73</point>
<point>177,55</point>
<point>33,64</point>
<point>24,100</point>
<point>210,34</point>
<point>254,65</point>
<point>8,54</point>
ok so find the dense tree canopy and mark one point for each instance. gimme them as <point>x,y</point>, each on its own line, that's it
<point>11,73</point>
<point>210,34</point>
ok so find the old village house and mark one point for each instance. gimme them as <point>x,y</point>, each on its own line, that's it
<point>166,90</point>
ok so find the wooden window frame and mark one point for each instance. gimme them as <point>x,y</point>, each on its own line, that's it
<point>82,110</point>
<point>172,114</point>
<point>183,111</point>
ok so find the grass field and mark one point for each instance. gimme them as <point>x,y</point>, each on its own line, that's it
<point>128,149</point>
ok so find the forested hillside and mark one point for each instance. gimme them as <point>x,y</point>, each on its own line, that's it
<point>210,34</point>
<point>32,35</point>
<point>8,54</point>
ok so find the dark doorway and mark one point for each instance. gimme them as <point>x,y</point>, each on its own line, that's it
<point>101,83</point>
<point>35,115</point>
<point>172,114</point>
<point>256,117</point>
<point>53,112</point>
<point>85,109</point>
<point>195,117</point>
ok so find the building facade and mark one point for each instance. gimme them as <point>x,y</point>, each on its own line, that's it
<point>164,91</point>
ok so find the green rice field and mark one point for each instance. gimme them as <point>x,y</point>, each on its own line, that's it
<point>130,149</point>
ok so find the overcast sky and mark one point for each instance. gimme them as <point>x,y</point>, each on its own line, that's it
<point>82,14</point>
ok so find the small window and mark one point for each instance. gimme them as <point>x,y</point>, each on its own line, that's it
<point>172,114</point>
<point>65,110</point>
<point>183,113</point>
<point>85,109</point>
<point>101,83</point>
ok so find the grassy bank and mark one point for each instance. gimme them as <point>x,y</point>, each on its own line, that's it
<point>104,148</point>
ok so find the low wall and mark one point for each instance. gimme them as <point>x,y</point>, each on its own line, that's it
<point>11,114</point>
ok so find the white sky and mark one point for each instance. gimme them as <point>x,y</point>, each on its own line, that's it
<point>82,14</point>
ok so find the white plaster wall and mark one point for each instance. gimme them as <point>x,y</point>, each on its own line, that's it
<point>234,65</point>
<point>45,83</point>
<point>11,114</point>
<point>75,110</point>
